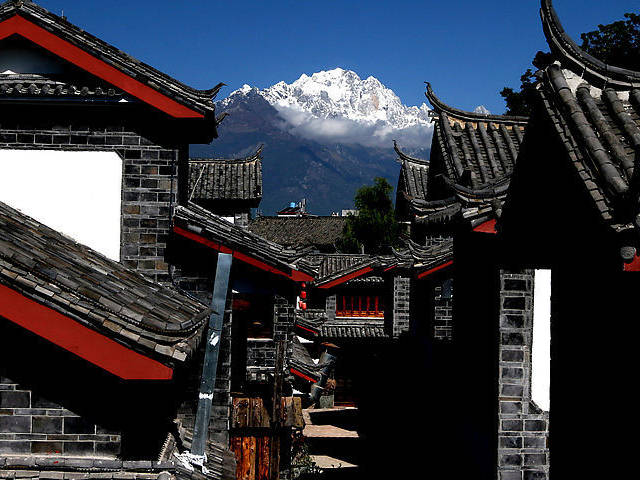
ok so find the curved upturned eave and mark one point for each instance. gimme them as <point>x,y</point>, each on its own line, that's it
<point>571,56</point>
<point>404,157</point>
<point>439,107</point>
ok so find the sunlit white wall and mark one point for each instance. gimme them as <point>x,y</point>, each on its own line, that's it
<point>541,349</point>
<point>76,193</point>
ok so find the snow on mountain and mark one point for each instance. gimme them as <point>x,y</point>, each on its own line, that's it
<point>482,110</point>
<point>338,106</point>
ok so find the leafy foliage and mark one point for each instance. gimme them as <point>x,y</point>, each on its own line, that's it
<point>520,102</point>
<point>374,229</point>
<point>617,43</point>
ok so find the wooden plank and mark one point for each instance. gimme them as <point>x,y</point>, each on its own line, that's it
<point>240,414</point>
<point>247,468</point>
<point>298,420</point>
<point>235,444</point>
<point>263,458</point>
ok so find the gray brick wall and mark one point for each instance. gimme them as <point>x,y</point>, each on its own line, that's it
<point>147,186</point>
<point>261,353</point>
<point>30,424</point>
<point>401,305</point>
<point>523,452</point>
<point>330,307</point>
<point>443,311</point>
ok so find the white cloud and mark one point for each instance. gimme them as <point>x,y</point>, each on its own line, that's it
<point>343,130</point>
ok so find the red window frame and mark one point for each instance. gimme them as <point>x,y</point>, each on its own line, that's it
<point>359,305</point>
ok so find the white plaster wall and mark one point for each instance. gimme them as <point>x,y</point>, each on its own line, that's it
<point>541,348</point>
<point>76,193</point>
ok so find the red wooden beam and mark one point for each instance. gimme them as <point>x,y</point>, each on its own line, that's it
<point>63,49</point>
<point>307,329</point>
<point>487,227</point>
<point>295,275</point>
<point>433,270</point>
<point>302,375</point>
<point>78,339</point>
<point>346,278</point>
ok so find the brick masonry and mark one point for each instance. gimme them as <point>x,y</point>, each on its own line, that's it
<point>523,452</point>
<point>401,304</point>
<point>443,310</point>
<point>30,424</point>
<point>149,186</point>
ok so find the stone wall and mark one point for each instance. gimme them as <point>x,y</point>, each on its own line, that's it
<point>401,304</point>
<point>148,183</point>
<point>30,424</point>
<point>523,452</point>
<point>443,310</point>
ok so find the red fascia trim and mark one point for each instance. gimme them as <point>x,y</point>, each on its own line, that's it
<point>294,275</point>
<point>78,339</point>
<point>433,270</point>
<point>302,375</point>
<point>634,266</point>
<point>388,269</point>
<point>487,227</point>
<point>307,329</point>
<point>71,53</point>
<point>346,278</point>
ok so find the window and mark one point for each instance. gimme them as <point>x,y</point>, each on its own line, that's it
<point>541,348</point>
<point>370,306</point>
<point>76,193</point>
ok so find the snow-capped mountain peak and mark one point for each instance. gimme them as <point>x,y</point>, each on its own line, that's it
<point>338,105</point>
<point>341,93</point>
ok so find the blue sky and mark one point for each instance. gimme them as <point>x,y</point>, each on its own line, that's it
<point>467,49</point>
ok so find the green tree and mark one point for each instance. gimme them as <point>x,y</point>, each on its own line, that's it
<point>374,229</point>
<point>617,43</point>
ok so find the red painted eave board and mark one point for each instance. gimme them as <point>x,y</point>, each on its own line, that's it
<point>78,339</point>
<point>435,269</point>
<point>487,227</point>
<point>307,329</point>
<point>18,25</point>
<point>346,278</point>
<point>295,275</point>
<point>302,375</point>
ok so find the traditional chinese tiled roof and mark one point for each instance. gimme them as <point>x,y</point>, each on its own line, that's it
<point>22,85</point>
<point>218,179</point>
<point>414,175</point>
<point>595,111</point>
<point>425,258</point>
<point>200,101</point>
<point>50,467</point>
<point>301,360</point>
<point>321,233</point>
<point>101,294</point>
<point>332,266</point>
<point>472,159</point>
<point>216,230</point>
<point>317,321</point>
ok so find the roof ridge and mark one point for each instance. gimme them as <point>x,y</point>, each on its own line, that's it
<point>257,155</point>
<point>439,107</point>
<point>109,53</point>
<point>576,59</point>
